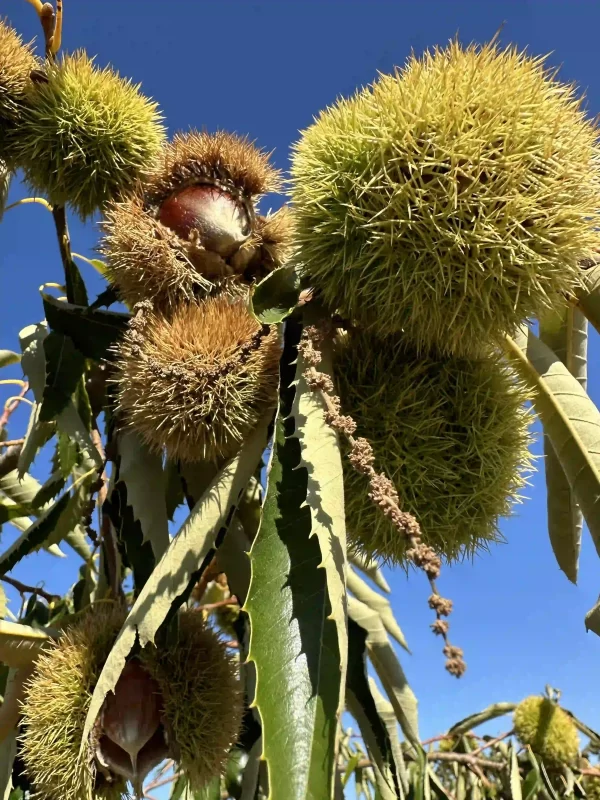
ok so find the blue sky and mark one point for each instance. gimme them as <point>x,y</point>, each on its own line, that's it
<point>264,69</point>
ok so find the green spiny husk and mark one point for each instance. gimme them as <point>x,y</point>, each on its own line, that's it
<point>451,200</point>
<point>549,732</point>
<point>202,697</point>
<point>451,433</point>
<point>17,61</point>
<point>55,707</point>
<point>87,135</point>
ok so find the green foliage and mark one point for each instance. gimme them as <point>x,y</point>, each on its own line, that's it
<point>451,433</point>
<point>396,192</point>
<point>86,135</point>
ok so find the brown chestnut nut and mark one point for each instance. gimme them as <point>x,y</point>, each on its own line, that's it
<point>222,223</point>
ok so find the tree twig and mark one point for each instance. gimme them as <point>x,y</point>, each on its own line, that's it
<point>466,758</point>
<point>23,588</point>
<point>12,407</point>
<point>64,244</point>
<point>492,742</point>
<point>162,781</point>
<point>12,443</point>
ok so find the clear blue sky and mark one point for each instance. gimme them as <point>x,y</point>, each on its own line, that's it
<point>264,69</point>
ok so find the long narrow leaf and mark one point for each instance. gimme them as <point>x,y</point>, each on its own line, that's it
<point>375,731</point>
<point>321,458</point>
<point>20,645</point>
<point>142,472</point>
<point>589,295</point>
<point>565,333</point>
<point>179,566</point>
<point>371,569</point>
<point>473,720</point>
<point>294,642</point>
<point>377,603</point>
<point>388,669</point>
<point>571,421</point>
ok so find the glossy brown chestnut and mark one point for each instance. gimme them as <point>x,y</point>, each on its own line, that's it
<point>222,223</point>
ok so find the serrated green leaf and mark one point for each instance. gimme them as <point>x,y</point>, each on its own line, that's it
<point>547,782</point>
<point>370,568</point>
<point>294,642</point>
<point>67,454</point>
<point>322,460</point>
<point>137,554</point>
<point>93,331</point>
<point>64,368</point>
<point>35,536</point>
<point>377,603</point>
<point>53,486</point>
<point>276,296</point>
<point>589,296</point>
<point>8,357</point>
<point>10,511</point>
<point>473,720</point>
<point>375,732</point>
<point>388,669</point>
<point>565,333</point>
<point>570,418</point>
<point>20,645</point>
<point>388,717</point>
<point>68,420</point>
<point>142,472</point>
<point>178,569</point>
<point>37,435</point>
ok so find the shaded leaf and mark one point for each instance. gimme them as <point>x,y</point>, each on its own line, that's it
<point>94,332</point>
<point>53,486</point>
<point>142,472</point>
<point>20,645</point>
<point>362,706</point>
<point>377,603</point>
<point>8,357</point>
<point>294,642</point>
<point>531,785</point>
<point>10,511</point>
<point>64,367</point>
<point>571,421</point>
<point>547,782</point>
<point>370,568</point>
<point>5,179</point>
<point>3,602</point>
<point>388,669</point>
<point>135,553</point>
<point>178,570</point>
<point>276,296</point>
<point>68,420</point>
<point>35,536</point>
<point>473,720</point>
<point>565,333</point>
<point>232,558</point>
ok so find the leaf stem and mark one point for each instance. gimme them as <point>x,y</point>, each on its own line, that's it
<point>23,588</point>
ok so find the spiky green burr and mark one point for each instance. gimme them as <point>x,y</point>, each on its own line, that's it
<point>451,200</point>
<point>87,135</point>
<point>548,730</point>
<point>17,61</point>
<point>451,433</point>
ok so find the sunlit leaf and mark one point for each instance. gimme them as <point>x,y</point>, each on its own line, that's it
<point>370,568</point>
<point>7,357</point>
<point>571,421</point>
<point>377,603</point>
<point>20,645</point>
<point>565,332</point>
<point>294,642</point>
